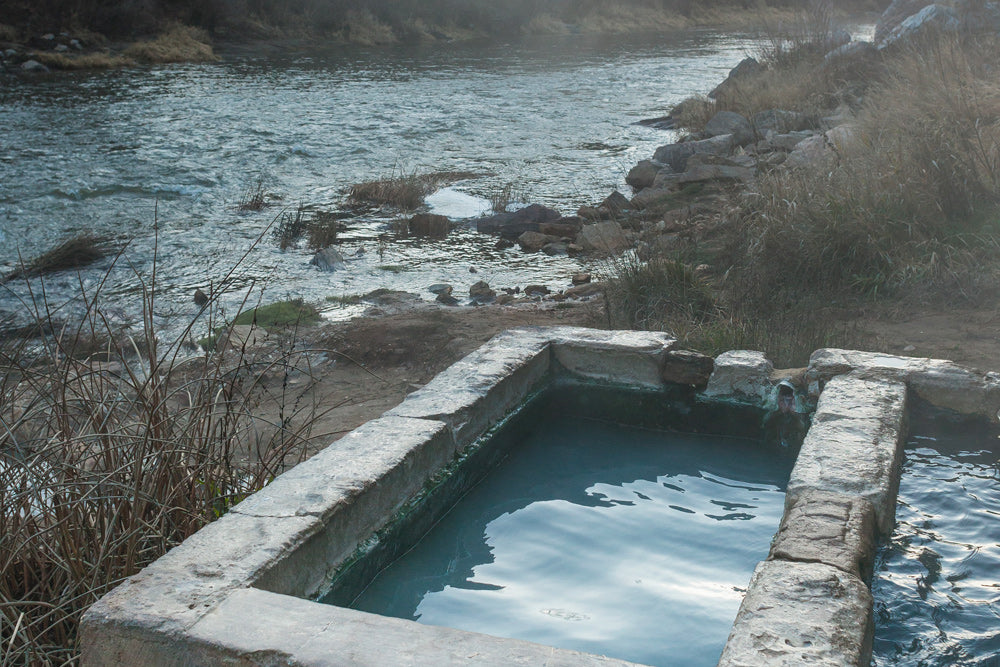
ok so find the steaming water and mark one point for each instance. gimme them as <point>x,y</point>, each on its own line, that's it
<point>936,585</point>
<point>598,537</point>
<point>112,152</point>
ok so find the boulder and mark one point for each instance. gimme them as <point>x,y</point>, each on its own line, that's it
<point>328,259</point>
<point>676,156</point>
<point>534,241</point>
<point>641,175</point>
<point>658,123</point>
<point>536,290</point>
<point>615,203</point>
<point>814,151</point>
<point>513,224</point>
<point>730,122</point>
<point>929,20</point>
<point>581,278</point>
<point>481,293</point>
<point>780,122</point>
<point>568,226</point>
<point>850,51</point>
<point>785,142</point>
<point>429,224</point>
<point>446,299</point>
<point>894,15</point>
<point>603,237</point>
<point>34,66</point>
<point>556,248</point>
<point>650,196</point>
<point>440,288</point>
<point>746,67</point>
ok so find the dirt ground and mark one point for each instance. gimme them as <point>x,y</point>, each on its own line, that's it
<point>372,363</point>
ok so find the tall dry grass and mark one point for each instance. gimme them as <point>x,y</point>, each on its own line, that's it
<point>113,449</point>
<point>911,201</point>
<point>176,44</point>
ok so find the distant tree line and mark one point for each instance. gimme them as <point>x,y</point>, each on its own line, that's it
<point>129,18</point>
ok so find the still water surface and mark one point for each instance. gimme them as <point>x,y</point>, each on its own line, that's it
<point>602,538</point>
<point>937,583</point>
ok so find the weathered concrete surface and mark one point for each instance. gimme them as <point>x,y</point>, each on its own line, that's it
<point>741,374</point>
<point>937,381</point>
<point>801,614</point>
<point>476,391</point>
<point>854,446</point>
<point>623,357</point>
<point>298,632</point>
<point>829,528</point>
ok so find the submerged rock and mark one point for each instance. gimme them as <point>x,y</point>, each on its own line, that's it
<point>429,224</point>
<point>328,259</point>
<point>481,293</point>
<point>515,223</point>
<point>34,66</point>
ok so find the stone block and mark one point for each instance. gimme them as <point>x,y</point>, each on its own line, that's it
<point>741,374</point>
<point>854,446</point>
<point>634,358</point>
<point>475,392</point>
<point>685,367</point>
<point>801,614</point>
<point>829,528</point>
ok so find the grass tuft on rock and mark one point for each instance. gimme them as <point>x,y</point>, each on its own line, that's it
<point>281,314</point>
<point>75,253</point>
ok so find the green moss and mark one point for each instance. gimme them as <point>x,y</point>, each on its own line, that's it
<point>280,314</point>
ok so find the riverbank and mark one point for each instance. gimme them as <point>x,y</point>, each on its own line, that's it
<point>35,41</point>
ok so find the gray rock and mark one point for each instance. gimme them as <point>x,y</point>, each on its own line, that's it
<point>811,152</point>
<point>534,241</point>
<point>893,16</point>
<point>581,278</point>
<point>328,259</point>
<point>930,19</point>
<point>602,237</point>
<point>556,248</point>
<point>615,203</point>
<point>61,48</point>
<point>798,614</point>
<point>515,223</point>
<point>730,122</point>
<point>429,224</point>
<point>741,374</point>
<point>676,156</point>
<point>440,288</point>
<point>447,299</point>
<point>850,51</point>
<point>536,290</point>
<point>703,173</point>
<point>33,66</point>
<point>641,175</point>
<point>75,43</point>
<point>481,293</point>
<point>780,121</point>
<point>745,68</point>
<point>786,142</point>
<point>10,53</point>
<point>651,196</point>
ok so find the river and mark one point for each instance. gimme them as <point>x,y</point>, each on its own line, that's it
<point>161,156</point>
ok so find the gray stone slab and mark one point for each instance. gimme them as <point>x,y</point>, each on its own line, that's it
<point>286,630</point>
<point>801,614</point>
<point>829,528</point>
<point>854,446</point>
<point>477,391</point>
<point>634,358</point>
<point>938,381</point>
<point>686,367</point>
<point>743,375</point>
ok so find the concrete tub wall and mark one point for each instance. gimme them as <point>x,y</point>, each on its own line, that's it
<point>236,592</point>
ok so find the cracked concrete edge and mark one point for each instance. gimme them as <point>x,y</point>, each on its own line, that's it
<point>938,381</point>
<point>279,538</point>
<point>829,528</point>
<point>855,445</point>
<point>801,613</point>
<point>635,358</point>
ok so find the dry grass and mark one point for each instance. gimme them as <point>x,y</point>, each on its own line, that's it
<point>178,44</point>
<point>254,197</point>
<point>912,202</point>
<point>105,465</point>
<point>9,33</point>
<point>82,61</point>
<point>402,191</point>
<point>363,27</point>
<point>73,253</point>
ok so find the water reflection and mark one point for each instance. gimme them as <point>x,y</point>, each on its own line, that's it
<point>598,537</point>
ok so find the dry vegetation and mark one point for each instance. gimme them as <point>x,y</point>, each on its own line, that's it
<point>178,44</point>
<point>908,210</point>
<point>403,191</point>
<point>113,450</point>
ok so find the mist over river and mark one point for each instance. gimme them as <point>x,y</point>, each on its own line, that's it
<point>111,152</point>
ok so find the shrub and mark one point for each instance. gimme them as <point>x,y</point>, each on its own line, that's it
<point>106,464</point>
<point>177,44</point>
<point>654,294</point>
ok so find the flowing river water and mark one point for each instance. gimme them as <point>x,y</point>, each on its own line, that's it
<point>161,156</point>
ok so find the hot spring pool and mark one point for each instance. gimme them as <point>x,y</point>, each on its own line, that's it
<point>598,536</point>
<point>937,582</point>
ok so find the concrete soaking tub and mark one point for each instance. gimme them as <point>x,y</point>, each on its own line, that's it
<point>243,590</point>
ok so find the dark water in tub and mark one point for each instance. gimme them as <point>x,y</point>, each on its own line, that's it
<point>615,540</point>
<point>937,583</point>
